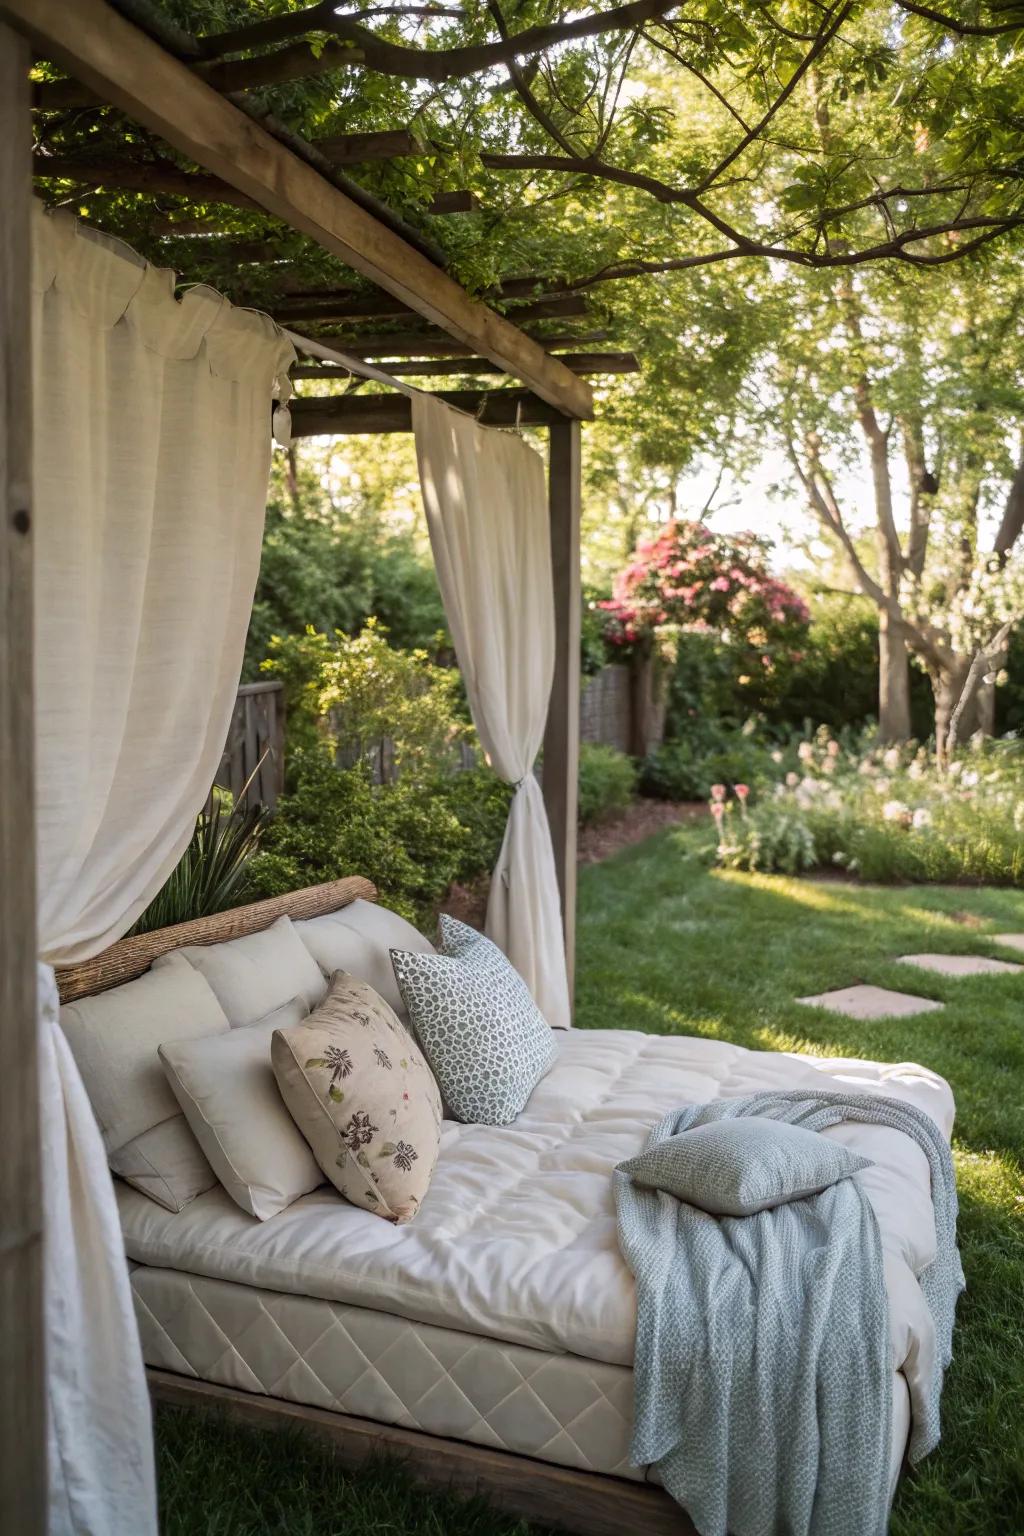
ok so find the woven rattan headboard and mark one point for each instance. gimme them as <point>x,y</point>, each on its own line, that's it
<point>129,958</point>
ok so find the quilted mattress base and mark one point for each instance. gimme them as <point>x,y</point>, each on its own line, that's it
<point>558,1408</point>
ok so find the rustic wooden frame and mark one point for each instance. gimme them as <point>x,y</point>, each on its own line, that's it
<point>22,1358</point>
<point>582,1503</point>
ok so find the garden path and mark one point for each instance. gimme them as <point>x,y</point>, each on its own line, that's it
<point>867,1002</point>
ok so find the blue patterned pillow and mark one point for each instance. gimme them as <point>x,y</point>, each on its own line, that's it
<point>485,1038</point>
<point>740,1166</point>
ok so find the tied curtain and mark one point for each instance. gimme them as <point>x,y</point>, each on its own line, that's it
<point>152,438</point>
<point>485,497</point>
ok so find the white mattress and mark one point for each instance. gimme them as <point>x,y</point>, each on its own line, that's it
<point>373,1365</point>
<point>515,1241</point>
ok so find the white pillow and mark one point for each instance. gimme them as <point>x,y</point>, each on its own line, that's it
<point>225,1084</point>
<point>359,939</point>
<point>114,1037</point>
<point>258,972</point>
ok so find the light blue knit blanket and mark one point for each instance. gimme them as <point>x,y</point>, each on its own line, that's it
<point>763,1369</point>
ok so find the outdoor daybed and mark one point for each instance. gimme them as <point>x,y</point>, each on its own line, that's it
<point>503,1316</point>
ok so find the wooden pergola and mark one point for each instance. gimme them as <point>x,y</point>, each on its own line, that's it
<point>147,70</point>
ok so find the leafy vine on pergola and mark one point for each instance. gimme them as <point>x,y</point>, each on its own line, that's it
<point>588,145</point>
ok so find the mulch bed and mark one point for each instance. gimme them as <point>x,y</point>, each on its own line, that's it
<point>642,819</point>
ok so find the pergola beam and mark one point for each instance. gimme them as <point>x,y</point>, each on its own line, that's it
<point>354,415</point>
<point>357,148</point>
<point>133,73</point>
<point>410,344</point>
<point>328,310</point>
<point>579,362</point>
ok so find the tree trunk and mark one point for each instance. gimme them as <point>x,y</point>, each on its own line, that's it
<point>893,682</point>
<point>985,709</point>
<point>947,687</point>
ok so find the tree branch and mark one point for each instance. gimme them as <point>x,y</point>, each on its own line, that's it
<point>833,21</point>
<point>1012,522</point>
<point>953,23</point>
<point>398,59</point>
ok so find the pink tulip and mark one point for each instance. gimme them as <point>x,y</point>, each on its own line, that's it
<point>717,792</point>
<point>742,791</point>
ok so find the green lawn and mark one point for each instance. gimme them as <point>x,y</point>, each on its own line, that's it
<point>667,946</point>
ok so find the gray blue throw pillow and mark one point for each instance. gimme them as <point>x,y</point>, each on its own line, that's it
<point>740,1166</point>
<point>485,1038</point>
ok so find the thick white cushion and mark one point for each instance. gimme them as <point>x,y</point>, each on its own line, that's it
<point>114,1037</point>
<point>225,1085</point>
<point>359,939</point>
<point>258,972</point>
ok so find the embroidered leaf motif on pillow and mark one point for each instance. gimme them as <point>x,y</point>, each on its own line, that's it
<point>361,1093</point>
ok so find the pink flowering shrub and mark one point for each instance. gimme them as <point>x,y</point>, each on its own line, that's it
<point>694,579</point>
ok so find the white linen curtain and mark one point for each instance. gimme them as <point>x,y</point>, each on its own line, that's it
<point>485,497</point>
<point>152,449</point>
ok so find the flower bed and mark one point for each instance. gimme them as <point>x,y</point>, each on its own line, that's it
<point>885,814</point>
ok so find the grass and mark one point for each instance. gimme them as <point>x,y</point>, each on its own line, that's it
<point>668,946</point>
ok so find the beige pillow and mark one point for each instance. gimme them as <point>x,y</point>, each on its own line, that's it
<point>257,972</point>
<point>114,1038</point>
<point>361,1093</point>
<point>225,1085</point>
<point>359,939</point>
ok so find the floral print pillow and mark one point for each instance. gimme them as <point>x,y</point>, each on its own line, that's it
<point>360,1091</point>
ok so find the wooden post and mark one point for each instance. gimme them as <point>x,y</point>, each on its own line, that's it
<point>22,1400</point>
<point>562,736</point>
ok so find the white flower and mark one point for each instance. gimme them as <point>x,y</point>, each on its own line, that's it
<point>839,857</point>
<point>792,779</point>
<point>895,810</point>
<point>891,759</point>
<point>805,752</point>
<point>833,749</point>
<point>915,771</point>
<point>970,779</point>
<point>922,818</point>
<point>956,769</point>
<point>776,756</point>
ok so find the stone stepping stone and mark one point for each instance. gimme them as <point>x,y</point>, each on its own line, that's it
<point>863,1002</point>
<point>1009,940</point>
<point>960,965</point>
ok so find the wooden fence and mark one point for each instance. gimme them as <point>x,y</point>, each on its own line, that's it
<point>254,751</point>
<point>623,706</point>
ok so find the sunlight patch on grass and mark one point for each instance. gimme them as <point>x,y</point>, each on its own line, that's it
<point>990,1178</point>
<point>819,896</point>
<point>769,1039</point>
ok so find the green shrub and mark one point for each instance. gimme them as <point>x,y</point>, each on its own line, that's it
<point>479,801</point>
<point>333,570</point>
<point>708,753</point>
<point>338,822</point>
<point>412,838</point>
<point>607,783</point>
<point>354,693</point>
